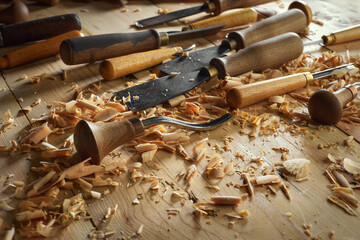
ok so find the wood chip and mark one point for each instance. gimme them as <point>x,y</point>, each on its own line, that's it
<point>342,204</point>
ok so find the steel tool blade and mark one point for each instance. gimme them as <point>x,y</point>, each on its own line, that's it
<point>197,33</point>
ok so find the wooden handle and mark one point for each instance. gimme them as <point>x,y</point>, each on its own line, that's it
<point>233,19</point>
<point>260,56</point>
<point>344,35</point>
<point>96,140</point>
<point>48,2</point>
<point>101,47</point>
<point>327,107</point>
<point>15,13</point>
<point>39,29</point>
<point>293,20</point>
<point>36,51</point>
<point>248,94</point>
<point>120,66</point>
<point>223,5</point>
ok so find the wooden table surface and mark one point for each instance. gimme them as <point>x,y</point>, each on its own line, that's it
<point>271,216</point>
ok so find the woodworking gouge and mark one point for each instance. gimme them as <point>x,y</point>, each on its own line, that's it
<point>39,29</point>
<point>244,95</point>
<point>99,47</point>
<point>96,140</point>
<point>257,57</point>
<point>212,6</point>
<point>341,36</point>
<point>36,51</point>
<point>294,20</point>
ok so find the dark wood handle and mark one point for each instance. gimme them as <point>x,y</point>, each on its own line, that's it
<point>223,5</point>
<point>48,2</point>
<point>101,47</point>
<point>39,29</point>
<point>113,68</point>
<point>17,12</point>
<point>248,94</point>
<point>96,140</point>
<point>293,20</point>
<point>260,56</point>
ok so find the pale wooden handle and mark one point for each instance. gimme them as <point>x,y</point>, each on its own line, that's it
<point>36,51</point>
<point>344,35</point>
<point>237,18</point>
<point>223,5</point>
<point>120,66</point>
<point>260,56</point>
<point>248,94</point>
<point>96,140</point>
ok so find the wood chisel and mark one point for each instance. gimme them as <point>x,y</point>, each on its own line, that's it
<point>99,47</point>
<point>36,51</point>
<point>212,6</point>
<point>96,140</point>
<point>257,57</point>
<point>17,12</point>
<point>39,29</point>
<point>341,36</point>
<point>248,94</point>
<point>293,20</point>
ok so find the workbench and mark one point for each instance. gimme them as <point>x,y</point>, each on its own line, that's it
<point>307,215</point>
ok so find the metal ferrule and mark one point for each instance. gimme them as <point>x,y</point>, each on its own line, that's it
<point>188,28</point>
<point>309,77</point>
<point>353,90</point>
<point>329,39</point>
<point>164,39</point>
<point>213,72</point>
<point>1,40</point>
<point>211,6</point>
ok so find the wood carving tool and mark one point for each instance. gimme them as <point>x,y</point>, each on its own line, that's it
<point>212,6</point>
<point>341,36</point>
<point>295,20</point>
<point>257,57</point>
<point>327,107</point>
<point>48,2</point>
<point>96,140</point>
<point>244,95</point>
<point>99,47</point>
<point>40,29</point>
<point>237,18</point>
<point>17,12</point>
<point>36,51</point>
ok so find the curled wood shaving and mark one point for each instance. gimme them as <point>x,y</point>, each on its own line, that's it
<point>342,204</point>
<point>297,167</point>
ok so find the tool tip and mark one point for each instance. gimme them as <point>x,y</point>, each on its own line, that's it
<point>138,25</point>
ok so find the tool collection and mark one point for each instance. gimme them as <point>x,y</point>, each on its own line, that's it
<point>269,41</point>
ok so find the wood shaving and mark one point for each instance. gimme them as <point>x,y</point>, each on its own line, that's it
<point>342,204</point>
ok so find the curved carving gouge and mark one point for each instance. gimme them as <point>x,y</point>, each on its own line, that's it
<point>96,140</point>
<point>212,6</point>
<point>100,47</point>
<point>257,57</point>
<point>241,96</point>
<point>295,20</point>
<point>341,36</point>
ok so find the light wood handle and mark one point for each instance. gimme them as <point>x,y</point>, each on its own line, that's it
<point>48,2</point>
<point>260,56</point>
<point>223,5</point>
<point>327,107</point>
<point>96,140</point>
<point>233,19</point>
<point>344,35</point>
<point>293,20</point>
<point>120,66</point>
<point>100,47</point>
<point>248,94</point>
<point>36,51</point>
<point>15,13</point>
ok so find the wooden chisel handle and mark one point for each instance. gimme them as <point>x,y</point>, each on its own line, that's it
<point>120,66</point>
<point>36,51</point>
<point>241,96</point>
<point>48,2</point>
<point>236,18</point>
<point>260,56</point>
<point>96,140</point>
<point>344,35</point>
<point>220,6</point>
<point>17,12</point>
<point>100,47</point>
<point>294,20</point>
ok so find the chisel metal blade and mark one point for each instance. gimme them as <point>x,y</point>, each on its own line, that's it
<point>321,41</point>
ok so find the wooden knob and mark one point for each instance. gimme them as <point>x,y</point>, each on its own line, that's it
<point>327,107</point>
<point>96,140</point>
<point>15,13</point>
<point>48,2</point>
